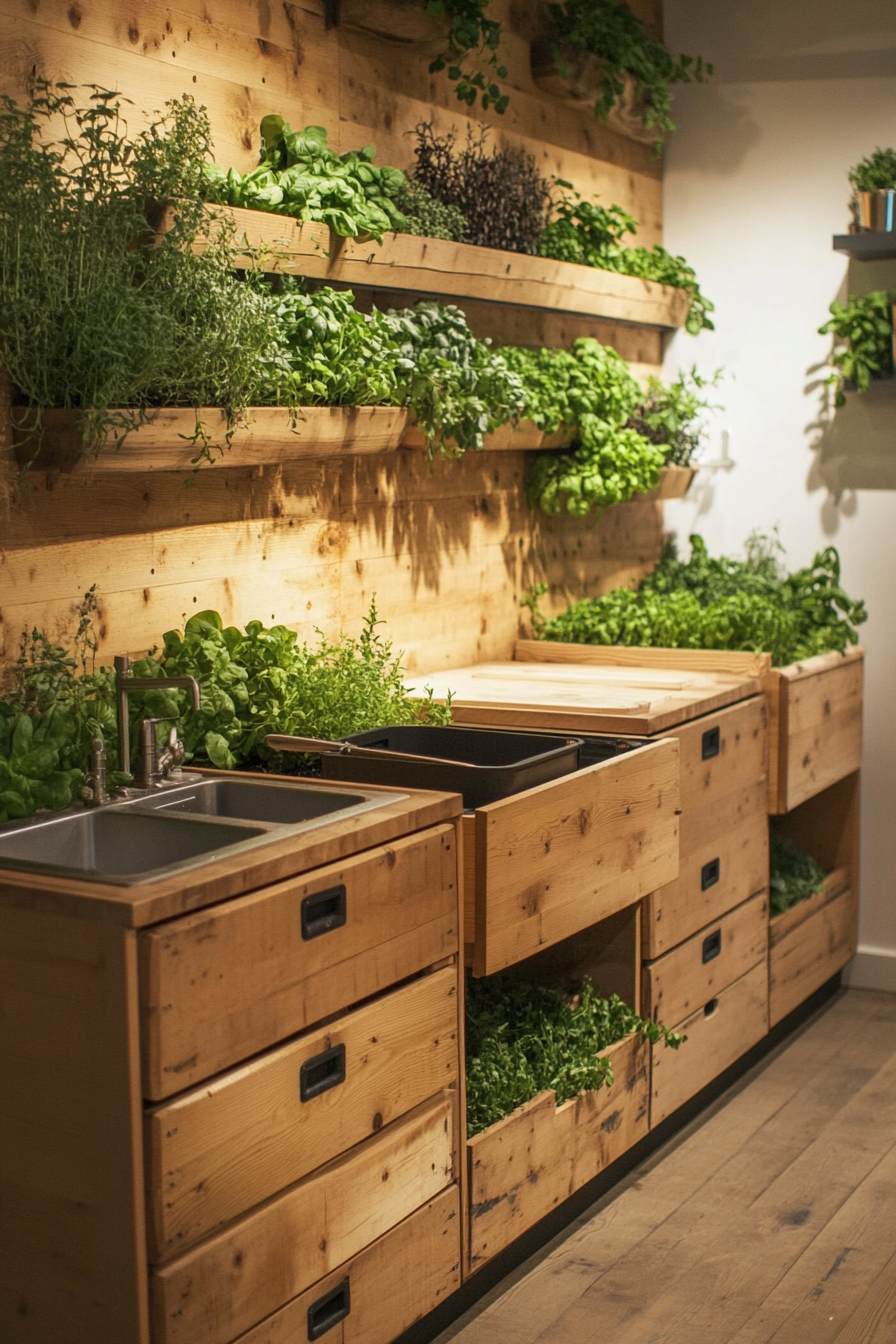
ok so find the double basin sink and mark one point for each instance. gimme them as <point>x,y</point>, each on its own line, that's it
<point>153,834</point>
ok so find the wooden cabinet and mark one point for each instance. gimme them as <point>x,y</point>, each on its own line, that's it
<point>816,718</point>
<point>553,860</point>
<point>223,1124</point>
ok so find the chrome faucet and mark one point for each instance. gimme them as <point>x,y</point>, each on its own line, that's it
<point>95,793</point>
<point>155,764</point>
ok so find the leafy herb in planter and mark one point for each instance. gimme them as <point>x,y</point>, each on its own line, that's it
<point>523,1039</point>
<point>877,172</point>
<point>794,875</point>
<point>300,175</point>
<point>471,32</point>
<point>501,195</point>
<point>862,329</point>
<point>609,30</point>
<point>429,218</point>
<point>590,389</point>
<point>592,235</point>
<point>669,414</point>
<point>704,603</point>
<point>94,313</point>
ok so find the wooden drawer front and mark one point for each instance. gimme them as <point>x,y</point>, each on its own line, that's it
<point>384,1290</point>
<point>701,967</point>
<point>809,943</point>
<point>817,729</point>
<point>558,858</point>
<point>724,860</point>
<point>233,1280</point>
<point>722,752</point>
<point>220,1149</point>
<point>718,1034</point>
<point>528,1163</point>
<point>222,985</point>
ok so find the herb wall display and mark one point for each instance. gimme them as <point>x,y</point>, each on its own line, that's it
<point>255,681</point>
<point>794,875</point>
<point>589,234</point>
<point>671,414</point>
<point>862,332</point>
<point>471,58</point>
<point>522,1039</point>
<point>749,604</point>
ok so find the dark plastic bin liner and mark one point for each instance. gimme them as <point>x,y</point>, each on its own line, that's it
<point>491,764</point>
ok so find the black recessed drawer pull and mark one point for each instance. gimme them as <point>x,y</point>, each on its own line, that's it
<point>329,1310</point>
<point>712,743</point>
<point>321,1072</point>
<point>710,1008</point>
<point>709,874</point>
<point>712,946</point>
<point>323,912</point>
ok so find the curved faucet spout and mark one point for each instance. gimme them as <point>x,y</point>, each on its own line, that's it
<point>125,683</point>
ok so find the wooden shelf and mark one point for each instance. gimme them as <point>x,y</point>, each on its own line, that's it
<point>454,271</point>
<point>866,246</point>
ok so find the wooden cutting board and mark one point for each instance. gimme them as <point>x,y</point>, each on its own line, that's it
<point>600,697</point>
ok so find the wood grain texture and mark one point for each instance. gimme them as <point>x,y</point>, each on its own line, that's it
<point>741,736</point>
<point>727,836</point>
<point>218,1150</point>
<point>710,661</point>
<point>72,1245</point>
<point>426,1247</point>
<point>607,953</point>
<point>718,1033</point>
<point>814,943</point>
<point>557,858</point>
<point>221,985</point>
<point>234,1279</point>
<point>525,1165</point>
<point>686,978</point>
<point>819,725</point>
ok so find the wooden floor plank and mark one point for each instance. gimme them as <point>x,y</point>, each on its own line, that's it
<point>702,1190</point>
<point>874,1320</point>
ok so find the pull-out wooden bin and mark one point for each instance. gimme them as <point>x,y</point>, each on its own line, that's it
<point>813,940</point>
<point>718,1033</point>
<point>815,710</point>
<point>548,862</point>
<point>525,1165</point>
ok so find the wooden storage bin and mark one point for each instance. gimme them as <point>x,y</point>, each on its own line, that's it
<point>215,1152</point>
<point>815,714</point>
<point>233,1280</point>
<point>815,939</point>
<point>548,862</point>
<point>696,971</point>
<point>718,1033</point>
<point>225,983</point>
<point>383,1290</point>
<point>525,1165</point>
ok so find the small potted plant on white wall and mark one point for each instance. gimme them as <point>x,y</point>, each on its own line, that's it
<point>873,182</point>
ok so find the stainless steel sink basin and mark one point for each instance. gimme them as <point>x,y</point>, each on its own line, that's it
<point>155,833</point>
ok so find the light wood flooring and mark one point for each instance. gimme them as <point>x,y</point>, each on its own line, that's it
<point>772,1218</point>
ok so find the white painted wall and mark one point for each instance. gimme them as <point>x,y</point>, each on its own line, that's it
<point>755,187</point>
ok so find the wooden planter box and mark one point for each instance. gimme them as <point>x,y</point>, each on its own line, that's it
<point>815,720</point>
<point>550,861</point>
<point>452,270</point>
<point>718,1033</point>
<point>815,939</point>
<point>531,1161</point>
<point>265,435</point>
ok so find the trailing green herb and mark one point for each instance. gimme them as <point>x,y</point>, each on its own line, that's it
<point>704,603</point>
<point>862,329</point>
<point>794,875</point>
<point>300,175</point>
<point>591,235</point>
<point>523,1039</point>
<point>471,32</point>
<point>610,30</point>
<point>589,389</point>
<point>501,195</point>
<point>670,414</point>
<point>876,172</point>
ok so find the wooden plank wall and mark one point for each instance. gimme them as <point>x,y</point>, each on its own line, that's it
<point>448,549</point>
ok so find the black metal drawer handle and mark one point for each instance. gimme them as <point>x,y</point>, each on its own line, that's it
<point>710,1008</point>
<point>712,946</point>
<point>329,1310</point>
<point>710,874</point>
<point>322,1072</point>
<point>712,743</point>
<point>323,912</point>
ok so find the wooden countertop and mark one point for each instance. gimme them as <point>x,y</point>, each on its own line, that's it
<point>193,888</point>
